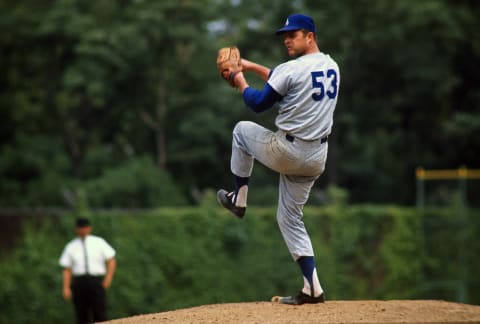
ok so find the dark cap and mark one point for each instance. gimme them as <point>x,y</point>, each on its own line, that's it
<point>297,22</point>
<point>82,222</point>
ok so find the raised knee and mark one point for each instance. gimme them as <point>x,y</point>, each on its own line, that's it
<point>240,126</point>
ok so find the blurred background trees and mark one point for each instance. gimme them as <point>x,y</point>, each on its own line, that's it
<point>122,99</point>
<point>118,104</point>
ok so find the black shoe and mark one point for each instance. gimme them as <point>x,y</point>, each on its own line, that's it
<point>299,299</point>
<point>224,198</point>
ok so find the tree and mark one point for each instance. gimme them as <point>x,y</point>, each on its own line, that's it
<point>89,87</point>
<point>399,89</point>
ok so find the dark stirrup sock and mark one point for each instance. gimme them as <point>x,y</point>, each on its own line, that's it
<point>240,181</point>
<point>307,264</point>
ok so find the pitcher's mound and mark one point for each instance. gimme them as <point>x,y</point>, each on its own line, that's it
<point>369,311</point>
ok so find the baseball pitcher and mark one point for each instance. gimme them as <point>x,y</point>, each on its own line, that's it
<point>306,89</point>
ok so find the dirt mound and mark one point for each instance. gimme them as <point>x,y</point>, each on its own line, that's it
<point>370,311</point>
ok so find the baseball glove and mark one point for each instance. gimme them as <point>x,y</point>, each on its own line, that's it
<point>229,63</point>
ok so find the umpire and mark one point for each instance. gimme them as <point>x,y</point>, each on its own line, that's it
<point>88,263</point>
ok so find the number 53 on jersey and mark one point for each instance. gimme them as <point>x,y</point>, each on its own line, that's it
<point>319,79</point>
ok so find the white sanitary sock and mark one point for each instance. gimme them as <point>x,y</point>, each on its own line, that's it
<point>241,199</point>
<point>317,288</point>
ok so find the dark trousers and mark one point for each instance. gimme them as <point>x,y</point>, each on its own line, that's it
<point>89,299</point>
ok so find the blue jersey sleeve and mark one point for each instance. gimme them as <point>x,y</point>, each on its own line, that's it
<point>260,101</point>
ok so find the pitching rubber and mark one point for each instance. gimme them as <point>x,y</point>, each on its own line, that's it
<point>276,299</point>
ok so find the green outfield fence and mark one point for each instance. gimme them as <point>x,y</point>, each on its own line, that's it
<point>460,224</point>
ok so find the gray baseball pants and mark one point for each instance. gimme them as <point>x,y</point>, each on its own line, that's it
<point>299,164</point>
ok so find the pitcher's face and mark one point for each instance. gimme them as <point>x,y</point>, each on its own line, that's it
<point>297,42</point>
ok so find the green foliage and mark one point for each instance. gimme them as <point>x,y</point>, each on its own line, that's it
<point>32,172</point>
<point>88,85</point>
<point>30,273</point>
<point>137,183</point>
<point>403,243</point>
<point>173,258</point>
<point>403,77</point>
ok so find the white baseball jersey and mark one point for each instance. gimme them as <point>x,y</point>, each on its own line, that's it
<point>89,254</point>
<point>309,86</point>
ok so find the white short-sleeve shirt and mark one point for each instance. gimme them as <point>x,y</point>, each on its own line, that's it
<point>98,252</point>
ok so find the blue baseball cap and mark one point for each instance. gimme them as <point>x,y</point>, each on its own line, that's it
<point>297,22</point>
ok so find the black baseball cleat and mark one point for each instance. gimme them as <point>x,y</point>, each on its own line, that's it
<point>299,299</point>
<point>224,198</point>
